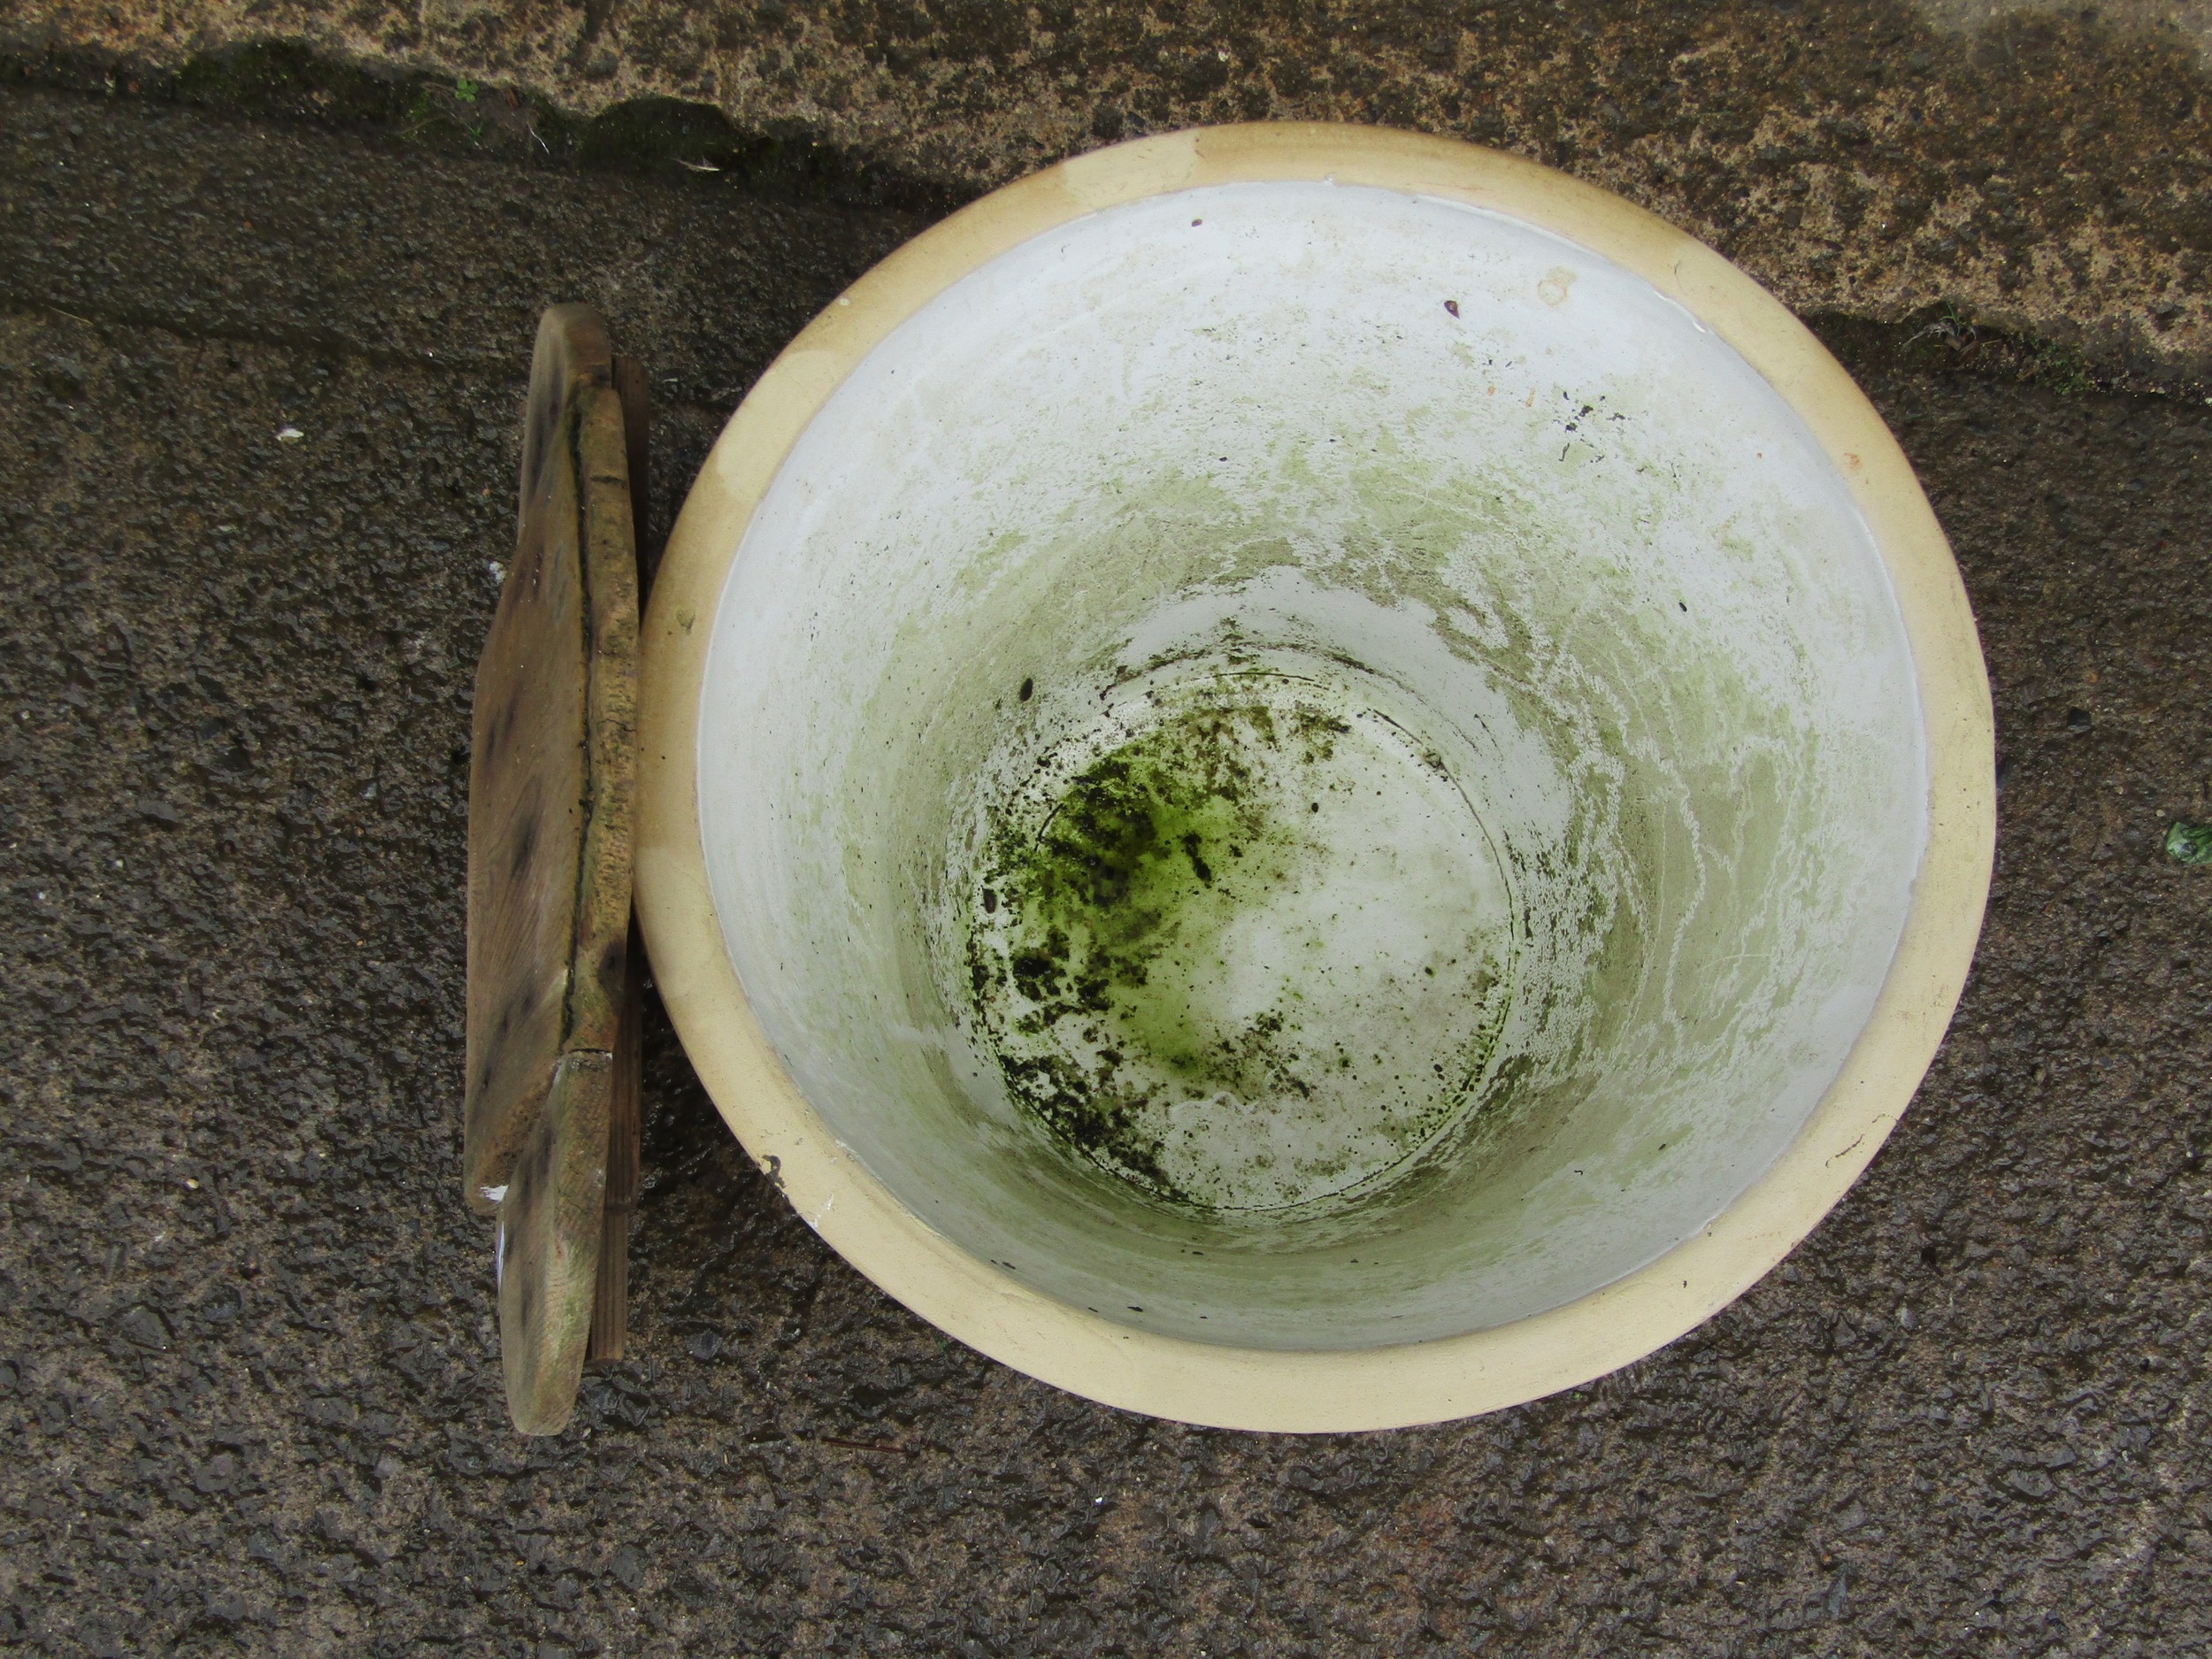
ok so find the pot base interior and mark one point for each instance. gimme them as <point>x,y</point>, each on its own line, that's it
<point>1242,940</point>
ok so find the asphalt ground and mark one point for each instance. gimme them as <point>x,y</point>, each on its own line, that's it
<point>249,1392</point>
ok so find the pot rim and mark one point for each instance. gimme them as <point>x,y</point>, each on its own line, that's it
<point>1228,1387</point>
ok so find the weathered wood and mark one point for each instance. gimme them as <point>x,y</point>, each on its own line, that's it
<point>527,787</point>
<point>604,882</point>
<point>550,1222</point>
<point>572,346</point>
<point>611,1309</point>
<point>551,775</point>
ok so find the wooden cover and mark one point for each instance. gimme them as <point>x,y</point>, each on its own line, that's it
<point>550,866</point>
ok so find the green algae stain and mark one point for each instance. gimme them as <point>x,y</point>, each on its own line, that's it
<point>1145,858</point>
<point>1158,959</point>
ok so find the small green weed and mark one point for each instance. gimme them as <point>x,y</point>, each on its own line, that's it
<point>2061,368</point>
<point>435,111</point>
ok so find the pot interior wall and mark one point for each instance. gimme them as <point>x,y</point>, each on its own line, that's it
<point>1307,767</point>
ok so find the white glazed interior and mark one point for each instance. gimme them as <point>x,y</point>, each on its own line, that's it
<point>1564,533</point>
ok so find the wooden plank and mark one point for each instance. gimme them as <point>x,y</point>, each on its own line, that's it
<point>551,994</point>
<point>550,1219</point>
<point>554,761</point>
<point>610,1310</point>
<point>601,961</point>
<point>527,786</point>
<point>552,983</point>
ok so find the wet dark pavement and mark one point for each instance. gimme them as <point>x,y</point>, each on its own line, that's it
<point>248,1391</point>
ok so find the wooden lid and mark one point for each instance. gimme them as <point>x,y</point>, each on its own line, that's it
<point>550,797</point>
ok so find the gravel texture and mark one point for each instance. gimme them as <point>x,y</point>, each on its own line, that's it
<point>2044,166</point>
<point>249,1396</point>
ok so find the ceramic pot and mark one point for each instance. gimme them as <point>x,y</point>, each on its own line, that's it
<point>1306,779</point>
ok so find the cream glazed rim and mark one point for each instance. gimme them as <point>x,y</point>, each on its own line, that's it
<point>1275,1388</point>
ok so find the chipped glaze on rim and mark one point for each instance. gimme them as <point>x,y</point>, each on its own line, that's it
<point>1271,1389</point>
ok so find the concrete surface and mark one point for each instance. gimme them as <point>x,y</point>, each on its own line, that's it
<point>249,1400</point>
<point>2187,21</point>
<point>2045,167</point>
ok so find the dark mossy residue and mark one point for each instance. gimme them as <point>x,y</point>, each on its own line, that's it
<point>1149,850</point>
<point>284,79</point>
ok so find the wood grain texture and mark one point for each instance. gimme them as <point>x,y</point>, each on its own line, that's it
<point>549,1228</point>
<point>598,976</point>
<point>554,760</point>
<point>610,1306</point>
